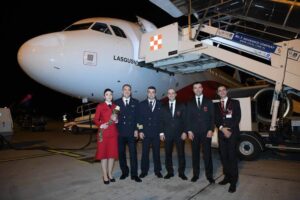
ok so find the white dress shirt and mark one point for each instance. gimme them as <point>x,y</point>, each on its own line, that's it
<point>153,103</point>
<point>173,108</point>
<point>225,102</point>
<point>124,100</point>
<point>201,97</point>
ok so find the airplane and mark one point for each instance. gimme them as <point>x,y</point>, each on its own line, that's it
<point>98,53</point>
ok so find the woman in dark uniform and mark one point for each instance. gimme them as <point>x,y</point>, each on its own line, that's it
<point>107,145</point>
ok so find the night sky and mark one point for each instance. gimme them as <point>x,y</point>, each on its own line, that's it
<point>21,22</point>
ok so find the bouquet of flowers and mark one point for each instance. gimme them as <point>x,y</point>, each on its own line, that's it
<point>115,112</point>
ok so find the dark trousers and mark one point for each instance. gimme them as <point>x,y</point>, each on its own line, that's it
<point>155,143</point>
<point>169,143</point>
<point>131,142</point>
<point>229,158</point>
<point>206,149</point>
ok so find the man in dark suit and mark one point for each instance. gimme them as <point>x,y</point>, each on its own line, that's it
<point>200,126</point>
<point>172,131</point>
<point>149,125</point>
<point>228,116</point>
<point>128,133</point>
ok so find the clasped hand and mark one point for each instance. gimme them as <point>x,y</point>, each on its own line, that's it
<point>226,131</point>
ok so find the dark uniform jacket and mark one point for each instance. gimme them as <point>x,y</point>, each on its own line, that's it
<point>149,121</point>
<point>173,126</point>
<point>127,117</point>
<point>230,117</point>
<point>199,121</point>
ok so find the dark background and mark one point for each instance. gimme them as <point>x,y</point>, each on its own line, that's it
<point>21,22</point>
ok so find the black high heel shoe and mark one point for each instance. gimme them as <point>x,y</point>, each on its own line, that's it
<point>105,182</point>
<point>112,179</point>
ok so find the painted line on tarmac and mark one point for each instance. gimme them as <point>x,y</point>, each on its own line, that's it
<point>26,157</point>
<point>79,157</point>
<point>66,153</point>
<point>202,189</point>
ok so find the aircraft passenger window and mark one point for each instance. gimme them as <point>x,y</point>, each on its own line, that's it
<point>119,32</point>
<point>76,27</point>
<point>102,28</point>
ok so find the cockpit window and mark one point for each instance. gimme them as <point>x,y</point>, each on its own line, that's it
<point>119,32</point>
<point>76,27</point>
<point>101,27</point>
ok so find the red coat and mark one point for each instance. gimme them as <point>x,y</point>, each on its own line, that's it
<point>108,148</point>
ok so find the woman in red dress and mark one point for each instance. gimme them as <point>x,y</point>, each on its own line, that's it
<point>107,149</point>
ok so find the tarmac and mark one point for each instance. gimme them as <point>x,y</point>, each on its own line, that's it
<point>43,173</point>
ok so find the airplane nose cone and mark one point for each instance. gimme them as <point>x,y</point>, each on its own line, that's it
<point>38,55</point>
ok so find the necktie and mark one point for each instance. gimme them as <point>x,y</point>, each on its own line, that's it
<point>150,105</point>
<point>222,105</point>
<point>171,109</point>
<point>109,105</point>
<point>199,103</point>
<point>126,102</point>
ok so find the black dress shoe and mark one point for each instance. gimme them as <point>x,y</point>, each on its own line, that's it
<point>183,177</point>
<point>232,188</point>
<point>195,178</point>
<point>143,175</point>
<point>224,181</point>
<point>136,179</point>
<point>169,175</point>
<point>112,179</point>
<point>159,175</point>
<point>211,180</point>
<point>123,176</point>
<point>105,182</point>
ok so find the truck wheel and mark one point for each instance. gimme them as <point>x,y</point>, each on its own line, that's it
<point>249,147</point>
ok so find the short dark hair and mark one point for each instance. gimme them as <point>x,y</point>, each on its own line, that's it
<point>126,85</point>
<point>151,88</point>
<point>197,82</point>
<point>107,90</point>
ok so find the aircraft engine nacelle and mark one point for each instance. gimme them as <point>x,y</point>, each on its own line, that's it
<point>263,102</point>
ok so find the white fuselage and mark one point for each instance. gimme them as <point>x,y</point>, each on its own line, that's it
<point>62,61</point>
